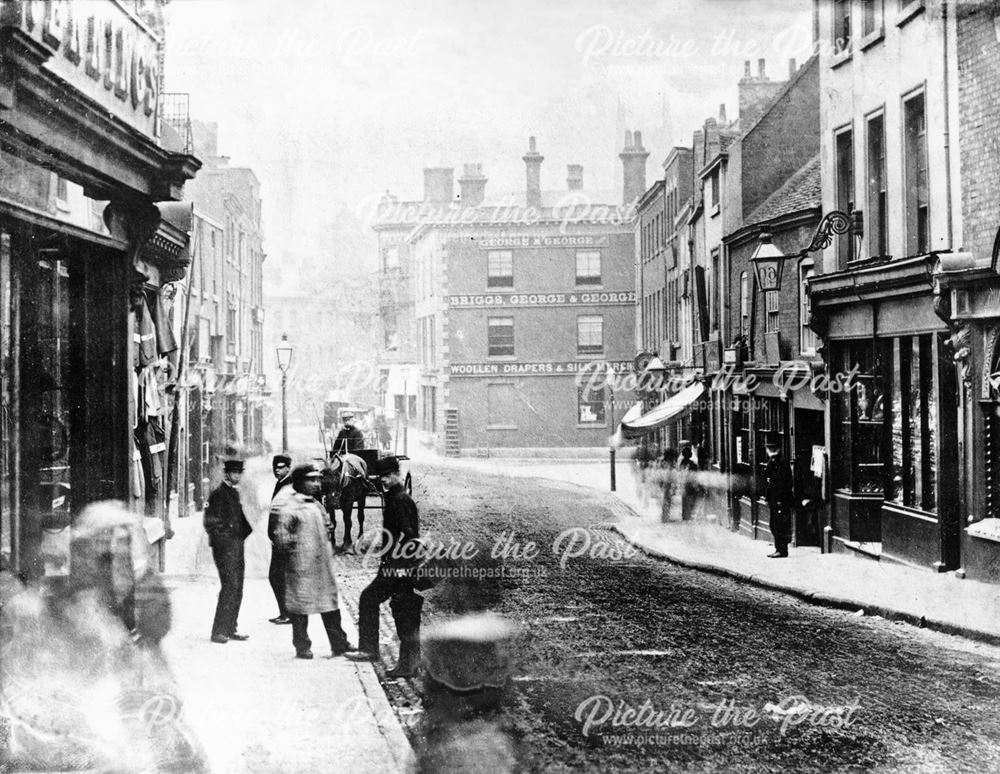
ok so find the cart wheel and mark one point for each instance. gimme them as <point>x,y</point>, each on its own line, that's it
<point>408,484</point>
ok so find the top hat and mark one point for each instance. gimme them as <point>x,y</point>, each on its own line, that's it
<point>232,466</point>
<point>772,439</point>
<point>386,465</point>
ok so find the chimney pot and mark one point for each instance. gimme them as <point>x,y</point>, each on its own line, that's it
<point>533,172</point>
<point>722,112</point>
<point>637,141</point>
<point>472,185</point>
<point>746,68</point>
<point>574,177</point>
<point>531,145</point>
<point>791,67</point>
<point>628,139</point>
<point>633,158</point>
<point>760,68</point>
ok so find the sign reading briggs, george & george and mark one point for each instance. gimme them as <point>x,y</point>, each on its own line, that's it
<point>623,297</point>
<point>99,49</point>
<point>527,240</point>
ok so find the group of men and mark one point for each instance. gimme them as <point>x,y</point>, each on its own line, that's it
<point>302,573</point>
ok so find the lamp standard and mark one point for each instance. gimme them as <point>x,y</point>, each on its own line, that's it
<point>609,382</point>
<point>284,361</point>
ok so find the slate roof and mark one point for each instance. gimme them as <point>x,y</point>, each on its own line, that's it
<point>802,191</point>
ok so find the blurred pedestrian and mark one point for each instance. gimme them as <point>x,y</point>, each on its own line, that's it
<point>779,493</point>
<point>227,529</point>
<point>382,432</point>
<point>690,486</point>
<point>303,530</point>
<point>281,466</point>
<point>395,579</point>
<point>668,481</point>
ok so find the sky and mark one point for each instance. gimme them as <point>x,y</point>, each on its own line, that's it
<point>334,102</point>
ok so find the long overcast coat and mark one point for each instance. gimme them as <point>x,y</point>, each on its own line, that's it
<point>302,530</point>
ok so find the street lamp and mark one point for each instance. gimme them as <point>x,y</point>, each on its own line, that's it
<point>284,362</point>
<point>609,382</point>
<point>768,262</point>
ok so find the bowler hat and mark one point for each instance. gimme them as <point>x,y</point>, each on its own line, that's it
<point>386,465</point>
<point>232,466</point>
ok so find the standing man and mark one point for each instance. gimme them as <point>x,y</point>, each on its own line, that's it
<point>350,439</point>
<point>303,531</point>
<point>227,528</point>
<point>778,491</point>
<point>690,486</point>
<point>281,466</point>
<point>394,581</point>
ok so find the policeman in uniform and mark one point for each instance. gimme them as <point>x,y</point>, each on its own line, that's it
<point>227,528</point>
<point>778,491</point>
<point>281,467</point>
<point>395,579</point>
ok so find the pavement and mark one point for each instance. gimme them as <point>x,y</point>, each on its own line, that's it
<point>256,708</point>
<point>944,602</point>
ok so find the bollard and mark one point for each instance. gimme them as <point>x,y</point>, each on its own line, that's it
<point>611,453</point>
<point>467,670</point>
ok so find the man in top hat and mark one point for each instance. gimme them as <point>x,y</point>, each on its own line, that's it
<point>281,466</point>
<point>349,439</point>
<point>778,491</point>
<point>303,531</point>
<point>227,528</point>
<point>395,578</point>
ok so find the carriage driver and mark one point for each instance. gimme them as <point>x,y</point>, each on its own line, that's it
<point>349,439</point>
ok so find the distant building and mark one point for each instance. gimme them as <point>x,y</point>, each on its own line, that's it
<point>513,302</point>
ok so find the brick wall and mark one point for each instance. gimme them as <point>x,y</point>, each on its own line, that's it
<point>979,110</point>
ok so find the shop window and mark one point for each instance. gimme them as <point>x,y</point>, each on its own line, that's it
<point>590,335</point>
<point>590,406</point>
<point>741,422</point>
<point>500,269</point>
<point>877,198</point>
<point>858,416</point>
<point>588,267</point>
<point>500,336</point>
<point>917,191</point>
<point>913,395</point>
<point>770,416</point>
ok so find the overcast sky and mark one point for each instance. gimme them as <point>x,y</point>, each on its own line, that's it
<point>332,102</point>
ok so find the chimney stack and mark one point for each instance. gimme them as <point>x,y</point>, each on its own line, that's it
<point>722,113</point>
<point>760,69</point>
<point>533,169</point>
<point>574,177</point>
<point>633,158</point>
<point>439,185</point>
<point>472,185</point>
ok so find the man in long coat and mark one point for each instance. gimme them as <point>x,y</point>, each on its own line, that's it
<point>227,529</point>
<point>303,531</point>
<point>779,493</point>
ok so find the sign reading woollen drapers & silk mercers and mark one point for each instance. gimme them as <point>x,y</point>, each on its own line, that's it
<point>99,49</point>
<point>539,241</point>
<point>537,369</point>
<point>605,297</point>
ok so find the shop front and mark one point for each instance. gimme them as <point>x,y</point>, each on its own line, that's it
<point>85,350</point>
<point>894,426</point>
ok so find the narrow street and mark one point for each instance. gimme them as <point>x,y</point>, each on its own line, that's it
<point>617,624</point>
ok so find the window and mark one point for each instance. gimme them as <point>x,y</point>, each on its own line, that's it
<point>877,199</point>
<point>871,19</point>
<point>590,405</point>
<point>770,416</point>
<point>715,189</point>
<point>588,267</point>
<point>62,192</point>
<point>844,142</point>
<point>915,160</point>
<point>807,337</point>
<point>590,335</point>
<point>841,26</point>
<point>715,291</point>
<point>500,269</point>
<point>912,396</point>
<point>744,304</point>
<point>772,299</point>
<point>857,419</point>
<point>500,336</point>
<point>391,258</point>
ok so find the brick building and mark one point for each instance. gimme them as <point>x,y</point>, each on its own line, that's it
<point>512,302</point>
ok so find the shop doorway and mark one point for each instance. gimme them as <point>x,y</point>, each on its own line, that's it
<point>809,474</point>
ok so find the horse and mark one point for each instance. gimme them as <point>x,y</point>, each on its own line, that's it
<point>345,482</point>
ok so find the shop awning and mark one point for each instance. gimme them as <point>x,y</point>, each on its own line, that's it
<point>673,408</point>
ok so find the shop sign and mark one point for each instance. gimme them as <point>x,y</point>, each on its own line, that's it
<point>535,369</point>
<point>538,241</point>
<point>980,303</point>
<point>622,297</point>
<point>99,49</point>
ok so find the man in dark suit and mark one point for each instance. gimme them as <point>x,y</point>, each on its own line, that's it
<point>778,491</point>
<point>227,528</point>
<point>349,439</point>
<point>395,579</point>
<point>281,466</point>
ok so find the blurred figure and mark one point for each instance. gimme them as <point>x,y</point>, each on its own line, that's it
<point>303,532</point>
<point>382,435</point>
<point>668,468</point>
<point>690,487</point>
<point>84,685</point>
<point>227,529</point>
<point>281,467</point>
